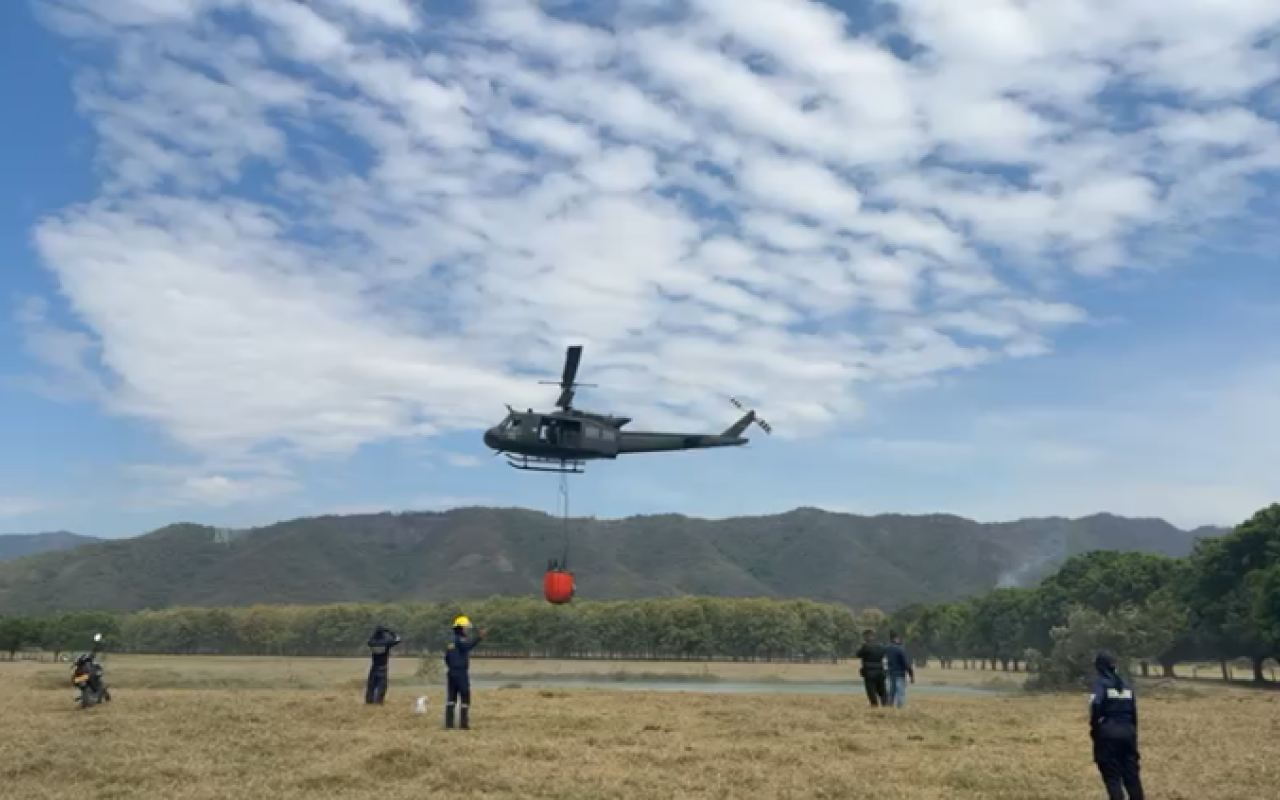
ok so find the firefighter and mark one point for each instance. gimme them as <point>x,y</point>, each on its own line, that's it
<point>380,645</point>
<point>457,662</point>
<point>1113,726</point>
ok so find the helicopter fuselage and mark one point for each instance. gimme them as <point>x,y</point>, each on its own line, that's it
<point>563,440</point>
<point>581,436</point>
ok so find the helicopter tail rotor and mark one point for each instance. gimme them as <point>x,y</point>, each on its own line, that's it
<point>749,417</point>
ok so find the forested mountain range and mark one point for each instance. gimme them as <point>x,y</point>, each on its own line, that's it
<point>19,545</point>
<point>883,561</point>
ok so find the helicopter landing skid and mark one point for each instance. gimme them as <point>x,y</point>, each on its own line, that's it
<point>533,464</point>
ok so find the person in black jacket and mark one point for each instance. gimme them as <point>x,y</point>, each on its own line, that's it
<point>873,675</point>
<point>899,669</point>
<point>1113,726</point>
<point>380,645</point>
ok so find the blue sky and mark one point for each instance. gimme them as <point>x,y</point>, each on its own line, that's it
<point>271,260</point>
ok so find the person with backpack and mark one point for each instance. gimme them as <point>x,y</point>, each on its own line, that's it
<point>1113,727</point>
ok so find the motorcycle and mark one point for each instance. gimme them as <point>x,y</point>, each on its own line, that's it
<point>86,675</point>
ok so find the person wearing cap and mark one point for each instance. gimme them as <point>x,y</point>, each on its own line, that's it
<point>457,662</point>
<point>380,645</point>
<point>900,669</point>
<point>1113,726</point>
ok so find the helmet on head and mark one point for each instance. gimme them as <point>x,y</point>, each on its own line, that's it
<point>1104,662</point>
<point>462,622</point>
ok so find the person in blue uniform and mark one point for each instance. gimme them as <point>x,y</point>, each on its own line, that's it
<point>457,662</point>
<point>900,669</point>
<point>1113,726</point>
<point>380,645</point>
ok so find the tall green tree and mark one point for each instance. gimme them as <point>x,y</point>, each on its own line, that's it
<point>1223,592</point>
<point>998,625</point>
<point>17,633</point>
<point>75,630</point>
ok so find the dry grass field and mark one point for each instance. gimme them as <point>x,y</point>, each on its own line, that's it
<point>277,728</point>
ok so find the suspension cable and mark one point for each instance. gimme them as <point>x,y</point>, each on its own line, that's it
<point>564,519</point>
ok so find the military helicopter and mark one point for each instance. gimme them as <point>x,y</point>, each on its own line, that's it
<point>562,441</point>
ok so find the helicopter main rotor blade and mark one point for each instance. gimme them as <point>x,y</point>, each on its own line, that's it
<point>572,357</point>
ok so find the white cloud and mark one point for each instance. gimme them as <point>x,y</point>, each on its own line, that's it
<point>212,484</point>
<point>392,14</point>
<point>65,354</point>
<point>1191,451</point>
<point>12,507</point>
<point>432,502</point>
<point>462,460</point>
<point>423,503</point>
<point>356,221</point>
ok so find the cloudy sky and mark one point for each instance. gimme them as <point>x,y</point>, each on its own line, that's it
<point>264,258</point>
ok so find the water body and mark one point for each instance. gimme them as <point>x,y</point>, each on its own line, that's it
<point>725,687</point>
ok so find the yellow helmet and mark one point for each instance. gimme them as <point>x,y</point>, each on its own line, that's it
<point>462,622</point>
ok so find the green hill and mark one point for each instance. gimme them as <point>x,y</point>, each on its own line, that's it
<point>19,545</point>
<point>883,561</point>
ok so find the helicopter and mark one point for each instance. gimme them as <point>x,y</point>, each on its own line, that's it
<point>564,440</point>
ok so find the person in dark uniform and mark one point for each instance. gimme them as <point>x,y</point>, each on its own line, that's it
<point>873,675</point>
<point>457,662</point>
<point>1113,726</point>
<point>899,669</point>
<point>380,645</point>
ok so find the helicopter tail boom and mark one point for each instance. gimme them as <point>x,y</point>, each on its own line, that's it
<point>653,442</point>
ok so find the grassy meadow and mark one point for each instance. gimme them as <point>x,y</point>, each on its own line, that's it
<point>186,728</point>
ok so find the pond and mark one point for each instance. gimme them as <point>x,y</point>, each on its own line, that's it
<point>724,687</point>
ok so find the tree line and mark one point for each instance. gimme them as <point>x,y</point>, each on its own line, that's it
<point>684,627</point>
<point>1221,603</point>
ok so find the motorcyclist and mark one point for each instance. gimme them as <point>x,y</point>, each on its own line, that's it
<point>87,663</point>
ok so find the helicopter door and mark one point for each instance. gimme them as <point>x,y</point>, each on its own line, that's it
<point>569,433</point>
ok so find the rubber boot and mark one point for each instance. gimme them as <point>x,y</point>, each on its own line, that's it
<point>465,722</point>
<point>448,716</point>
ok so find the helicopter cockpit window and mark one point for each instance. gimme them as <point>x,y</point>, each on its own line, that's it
<point>510,424</point>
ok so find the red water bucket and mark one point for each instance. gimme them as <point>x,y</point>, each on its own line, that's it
<point>557,586</point>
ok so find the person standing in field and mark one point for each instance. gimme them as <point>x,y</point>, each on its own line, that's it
<point>871,654</point>
<point>457,662</point>
<point>380,645</point>
<point>1113,727</point>
<point>900,669</point>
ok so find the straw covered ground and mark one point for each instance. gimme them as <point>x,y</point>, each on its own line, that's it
<point>258,728</point>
